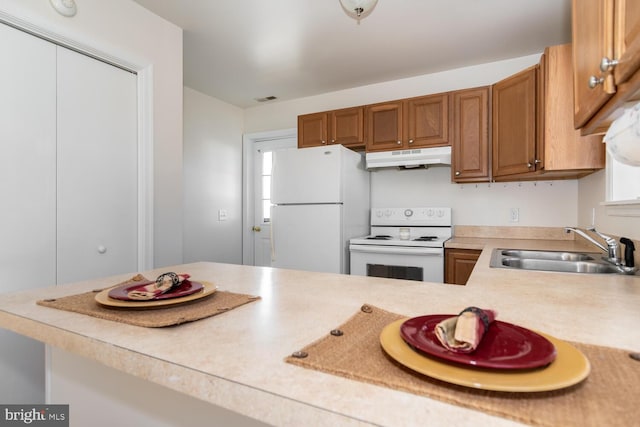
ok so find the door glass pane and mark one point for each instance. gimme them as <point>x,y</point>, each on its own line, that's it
<point>267,159</point>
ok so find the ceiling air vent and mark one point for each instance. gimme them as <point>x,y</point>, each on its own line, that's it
<point>266,98</point>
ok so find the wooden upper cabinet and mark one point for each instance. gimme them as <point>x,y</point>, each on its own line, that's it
<point>427,121</point>
<point>593,38</point>
<point>346,127</point>
<point>604,31</point>
<point>514,124</point>
<point>560,146</point>
<point>312,130</point>
<point>626,39</point>
<point>408,123</point>
<point>533,133</point>
<point>470,145</point>
<point>384,126</point>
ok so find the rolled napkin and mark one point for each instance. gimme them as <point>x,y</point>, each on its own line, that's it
<point>463,333</point>
<point>163,284</point>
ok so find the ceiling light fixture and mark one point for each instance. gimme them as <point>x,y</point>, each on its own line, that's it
<point>358,9</point>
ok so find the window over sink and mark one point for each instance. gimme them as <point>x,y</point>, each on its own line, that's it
<point>623,188</point>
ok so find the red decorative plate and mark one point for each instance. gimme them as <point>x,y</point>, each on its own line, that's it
<point>187,287</point>
<point>504,346</point>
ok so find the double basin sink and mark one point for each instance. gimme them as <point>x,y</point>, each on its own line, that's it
<point>557,261</point>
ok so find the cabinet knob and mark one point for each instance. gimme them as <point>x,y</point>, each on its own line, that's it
<point>399,142</point>
<point>595,81</point>
<point>537,161</point>
<point>411,141</point>
<point>607,64</point>
<point>102,249</point>
<point>324,142</point>
<point>529,165</point>
<point>457,173</point>
<point>333,141</point>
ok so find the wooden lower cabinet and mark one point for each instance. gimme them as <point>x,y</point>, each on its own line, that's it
<point>458,265</point>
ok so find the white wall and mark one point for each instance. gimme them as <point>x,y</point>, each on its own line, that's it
<point>591,192</point>
<point>545,203</point>
<point>123,30</point>
<point>283,115</point>
<point>540,203</point>
<point>212,179</point>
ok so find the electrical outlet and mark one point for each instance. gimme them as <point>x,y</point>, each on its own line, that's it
<point>514,214</point>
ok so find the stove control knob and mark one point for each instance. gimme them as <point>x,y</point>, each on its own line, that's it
<point>388,212</point>
<point>430,212</point>
<point>408,213</point>
<point>379,213</point>
<point>440,213</point>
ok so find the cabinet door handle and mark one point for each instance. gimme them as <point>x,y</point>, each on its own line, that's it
<point>457,173</point>
<point>411,141</point>
<point>324,142</point>
<point>399,142</point>
<point>595,81</point>
<point>608,64</point>
<point>529,165</point>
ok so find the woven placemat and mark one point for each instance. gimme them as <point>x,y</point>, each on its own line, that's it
<point>608,397</point>
<point>216,303</point>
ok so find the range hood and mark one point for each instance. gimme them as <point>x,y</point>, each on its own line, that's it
<point>409,158</point>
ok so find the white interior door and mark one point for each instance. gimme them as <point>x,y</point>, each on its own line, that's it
<point>27,189</point>
<point>97,169</point>
<point>262,160</point>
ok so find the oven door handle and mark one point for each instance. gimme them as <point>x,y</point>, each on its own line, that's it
<point>396,250</point>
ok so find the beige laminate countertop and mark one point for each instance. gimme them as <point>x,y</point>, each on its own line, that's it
<point>235,360</point>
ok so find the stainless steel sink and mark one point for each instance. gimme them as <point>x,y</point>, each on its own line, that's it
<point>551,255</point>
<point>559,266</point>
<point>558,261</point>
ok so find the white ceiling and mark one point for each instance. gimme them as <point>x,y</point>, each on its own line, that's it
<point>240,50</point>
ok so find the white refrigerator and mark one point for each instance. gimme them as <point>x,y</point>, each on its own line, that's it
<point>320,200</point>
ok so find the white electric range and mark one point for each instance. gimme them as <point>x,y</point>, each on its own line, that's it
<point>404,243</point>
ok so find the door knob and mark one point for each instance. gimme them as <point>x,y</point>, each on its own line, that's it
<point>256,228</point>
<point>102,249</point>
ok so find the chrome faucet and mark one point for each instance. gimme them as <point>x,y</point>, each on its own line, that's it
<point>612,245</point>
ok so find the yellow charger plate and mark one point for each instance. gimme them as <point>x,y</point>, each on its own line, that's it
<point>103,298</point>
<point>569,368</point>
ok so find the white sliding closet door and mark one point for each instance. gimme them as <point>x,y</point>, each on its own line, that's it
<point>27,191</point>
<point>97,169</point>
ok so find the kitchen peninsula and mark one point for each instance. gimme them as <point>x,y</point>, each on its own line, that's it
<point>235,360</point>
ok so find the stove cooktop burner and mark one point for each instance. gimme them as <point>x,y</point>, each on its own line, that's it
<point>379,237</point>
<point>425,238</point>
